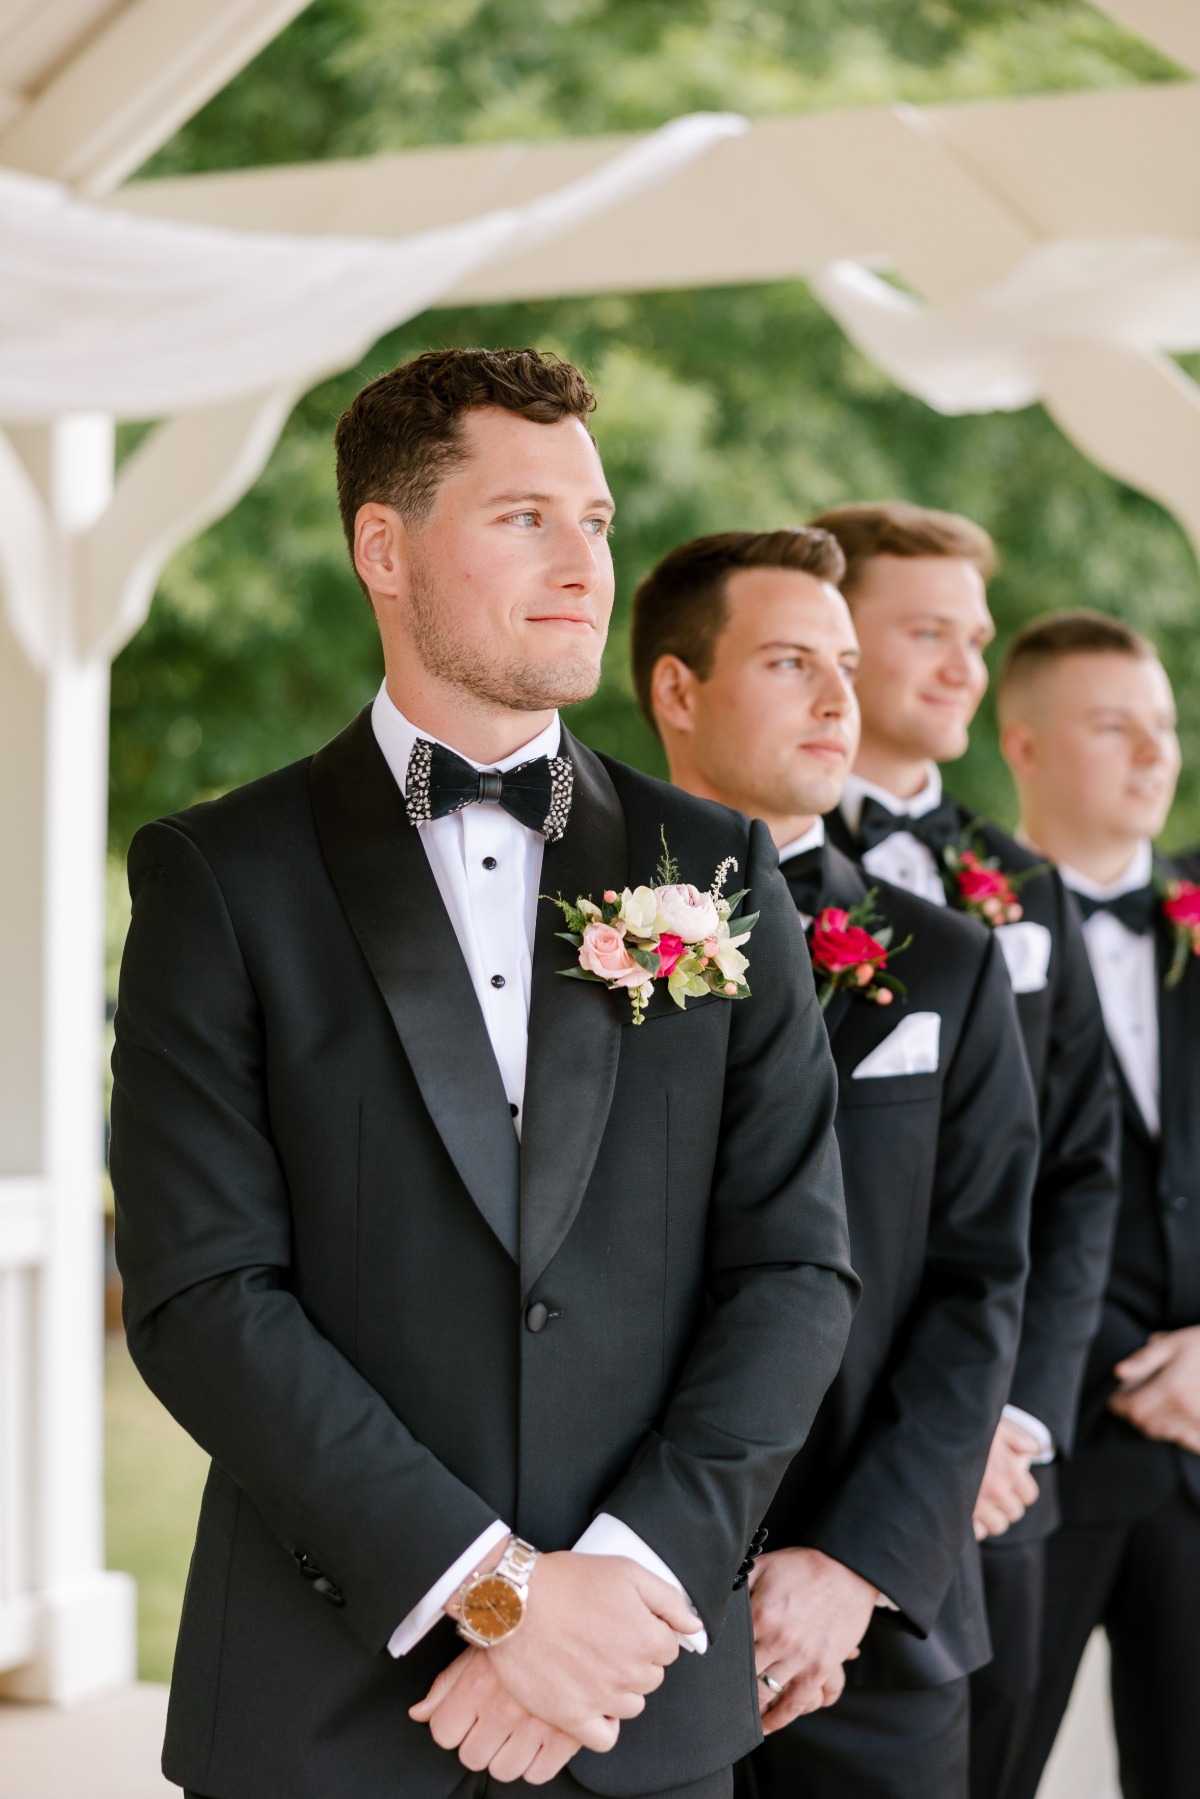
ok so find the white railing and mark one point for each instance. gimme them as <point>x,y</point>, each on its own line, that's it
<point>22,1248</point>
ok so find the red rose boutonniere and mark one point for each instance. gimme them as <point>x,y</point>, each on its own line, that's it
<point>982,888</point>
<point>1181,909</point>
<point>848,956</point>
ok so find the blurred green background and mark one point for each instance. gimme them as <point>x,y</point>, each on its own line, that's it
<point>722,408</point>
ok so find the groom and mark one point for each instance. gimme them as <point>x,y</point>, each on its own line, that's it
<point>490,1306</point>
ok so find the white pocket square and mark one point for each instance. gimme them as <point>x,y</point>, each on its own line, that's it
<point>912,1048</point>
<point>1026,949</point>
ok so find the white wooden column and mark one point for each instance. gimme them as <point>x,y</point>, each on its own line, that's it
<point>66,1624</point>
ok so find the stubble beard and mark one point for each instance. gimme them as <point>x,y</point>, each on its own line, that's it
<point>515,685</point>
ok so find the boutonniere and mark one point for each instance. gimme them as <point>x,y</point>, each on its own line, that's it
<point>977,884</point>
<point>1181,909</point>
<point>850,953</point>
<point>669,932</point>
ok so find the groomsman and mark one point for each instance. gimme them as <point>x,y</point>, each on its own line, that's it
<point>868,1605</point>
<point>915,582</point>
<point>494,1306</point>
<point>1088,730</point>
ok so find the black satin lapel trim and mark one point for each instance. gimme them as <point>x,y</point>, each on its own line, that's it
<point>842,884</point>
<point>574,1026</point>
<point>390,897</point>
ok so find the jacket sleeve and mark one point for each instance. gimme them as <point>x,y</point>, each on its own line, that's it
<point>901,1515</point>
<point>1075,1197</point>
<point>781,1287</point>
<point>204,1248</point>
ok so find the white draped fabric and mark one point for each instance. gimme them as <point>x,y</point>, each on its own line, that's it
<point>103,311</point>
<point>992,353</point>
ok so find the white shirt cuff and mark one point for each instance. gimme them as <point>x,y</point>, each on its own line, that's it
<point>428,1611</point>
<point>1036,1429</point>
<point>607,1535</point>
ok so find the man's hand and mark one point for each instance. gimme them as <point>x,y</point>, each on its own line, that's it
<point>810,1615</point>
<point>1008,1489</point>
<point>597,1636</point>
<point>1160,1388</point>
<point>467,1709</point>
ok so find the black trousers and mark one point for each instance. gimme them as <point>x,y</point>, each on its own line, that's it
<point>1003,1692</point>
<point>909,1744</point>
<point>481,1786</point>
<point>1141,1581</point>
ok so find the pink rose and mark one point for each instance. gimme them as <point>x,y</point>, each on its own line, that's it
<point>1182,905</point>
<point>838,945</point>
<point>683,911</point>
<point>670,948</point>
<point>603,953</point>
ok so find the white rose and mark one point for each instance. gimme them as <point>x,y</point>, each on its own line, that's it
<point>685,912</point>
<point>638,910</point>
<point>731,961</point>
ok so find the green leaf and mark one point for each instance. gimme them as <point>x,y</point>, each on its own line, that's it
<point>644,958</point>
<point>581,974</point>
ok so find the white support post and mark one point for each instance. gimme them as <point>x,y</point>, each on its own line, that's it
<point>70,1623</point>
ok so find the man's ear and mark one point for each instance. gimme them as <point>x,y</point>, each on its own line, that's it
<point>381,550</point>
<point>1018,746</point>
<point>673,694</point>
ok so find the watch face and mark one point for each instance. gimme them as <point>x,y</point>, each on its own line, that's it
<point>493,1607</point>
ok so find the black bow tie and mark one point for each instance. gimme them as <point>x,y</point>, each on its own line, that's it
<point>1135,910</point>
<point>537,794</point>
<point>805,876</point>
<point>937,830</point>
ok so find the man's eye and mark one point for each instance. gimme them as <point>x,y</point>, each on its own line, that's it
<point>599,527</point>
<point>522,518</point>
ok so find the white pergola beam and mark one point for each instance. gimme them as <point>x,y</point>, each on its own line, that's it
<point>134,84</point>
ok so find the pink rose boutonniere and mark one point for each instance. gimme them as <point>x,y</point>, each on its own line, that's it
<point>1181,909</point>
<point>670,932</point>
<point>848,956</point>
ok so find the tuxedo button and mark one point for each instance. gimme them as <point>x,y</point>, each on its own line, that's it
<point>497,980</point>
<point>1179,1202</point>
<point>514,1109</point>
<point>489,862</point>
<point>328,1590</point>
<point>306,1565</point>
<point>537,1316</point>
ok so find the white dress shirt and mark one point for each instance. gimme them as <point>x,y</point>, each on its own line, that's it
<point>1126,969</point>
<point>488,870</point>
<point>901,858</point>
<point>906,862</point>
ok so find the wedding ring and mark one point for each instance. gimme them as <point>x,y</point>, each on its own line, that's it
<point>772,1685</point>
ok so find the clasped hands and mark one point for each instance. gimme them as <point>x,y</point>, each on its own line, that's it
<point>1159,1392</point>
<point>810,1615</point>
<point>598,1634</point>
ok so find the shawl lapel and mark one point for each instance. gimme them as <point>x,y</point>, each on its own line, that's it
<point>574,1026</point>
<point>382,876</point>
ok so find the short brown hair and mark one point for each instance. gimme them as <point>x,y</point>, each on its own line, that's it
<point>896,528</point>
<point>1079,632</point>
<point>679,608</point>
<point>403,432</point>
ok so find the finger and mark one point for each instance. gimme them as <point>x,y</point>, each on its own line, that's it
<point>833,1689</point>
<point>1145,1361</point>
<point>485,1739</point>
<point>597,1733</point>
<point>550,1759</point>
<point>628,1705</point>
<point>424,1709</point>
<point>667,1603</point>
<point>802,1696</point>
<point>513,1758</point>
<point>992,1521</point>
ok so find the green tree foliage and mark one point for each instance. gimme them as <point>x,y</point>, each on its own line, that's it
<point>719,408</point>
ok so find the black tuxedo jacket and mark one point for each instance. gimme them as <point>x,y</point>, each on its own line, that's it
<point>1116,1472</point>
<point>938,1232</point>
<point>1075,1194</point>
<point>389,1323</point>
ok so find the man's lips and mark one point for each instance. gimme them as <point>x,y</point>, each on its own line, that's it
<point>577,621</point>
<point>826,749</point>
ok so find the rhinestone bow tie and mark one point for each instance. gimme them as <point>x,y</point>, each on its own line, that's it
<point>537,794</point>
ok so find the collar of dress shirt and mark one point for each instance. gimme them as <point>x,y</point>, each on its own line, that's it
<point>396,736</point>
<point>812,839</point>
<point>1137,874</point>
<point>856,791</point>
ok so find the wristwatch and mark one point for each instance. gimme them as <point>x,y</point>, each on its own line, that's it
<point>492,1605</point>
